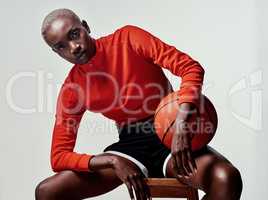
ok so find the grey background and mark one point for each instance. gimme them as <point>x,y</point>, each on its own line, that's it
<point>229,38</point>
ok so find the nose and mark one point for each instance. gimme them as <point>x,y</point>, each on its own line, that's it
<point>75,48</point>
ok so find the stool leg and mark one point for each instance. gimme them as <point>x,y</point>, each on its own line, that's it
<point>193,194</point>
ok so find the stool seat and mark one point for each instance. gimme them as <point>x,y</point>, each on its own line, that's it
<point>170,188</point>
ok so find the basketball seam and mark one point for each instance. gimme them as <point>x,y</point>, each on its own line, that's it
<point>157,111</point>
<point>198,113</point>
<point>163,139</point>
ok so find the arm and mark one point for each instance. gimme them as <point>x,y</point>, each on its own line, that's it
<point>166,56</point>
<point>70,109</point>
<point>192,74</point>
<point>69,112</point>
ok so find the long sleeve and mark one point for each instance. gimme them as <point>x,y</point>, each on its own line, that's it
<point>179,63</point>
<point>69,112</point>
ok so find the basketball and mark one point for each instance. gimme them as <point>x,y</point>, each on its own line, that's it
<point>202,124</point>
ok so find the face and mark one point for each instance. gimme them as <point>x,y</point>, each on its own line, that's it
<point>70,39</point>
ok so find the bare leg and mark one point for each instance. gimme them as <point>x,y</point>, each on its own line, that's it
<point>216,176</point>
<point>69,185</point>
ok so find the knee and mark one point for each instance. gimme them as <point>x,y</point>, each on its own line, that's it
<point>43,191</point>
<point>228,178</point>
<point>227,173</point>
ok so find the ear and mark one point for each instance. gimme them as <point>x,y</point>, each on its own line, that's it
<point>85,25</point>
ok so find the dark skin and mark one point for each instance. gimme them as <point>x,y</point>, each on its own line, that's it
<point>70,39</point>
<point>206,170</point>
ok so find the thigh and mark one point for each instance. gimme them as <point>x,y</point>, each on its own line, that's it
<point>77,185</point>
<point>205,159</point>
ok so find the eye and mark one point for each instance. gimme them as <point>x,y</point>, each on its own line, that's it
<point>75,34</point>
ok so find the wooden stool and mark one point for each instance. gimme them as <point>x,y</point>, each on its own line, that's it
<point>170,188</point>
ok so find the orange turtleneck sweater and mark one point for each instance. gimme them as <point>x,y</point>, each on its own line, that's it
<point>125,82</point>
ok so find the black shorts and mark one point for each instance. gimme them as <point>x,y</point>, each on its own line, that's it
<point>139,143</point>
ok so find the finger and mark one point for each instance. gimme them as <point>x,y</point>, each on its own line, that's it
<point>185,163</point>
<point>182,165</point>
<point>179,164</point>
<point>141,187</point>
<point>181,157</point>
<point>191,160</point>
<point>130,191</point>
<point>174,165</point>
<point>136,189</point>
<point>146,189</point>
